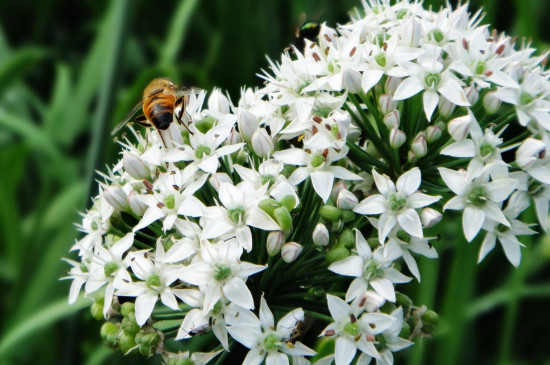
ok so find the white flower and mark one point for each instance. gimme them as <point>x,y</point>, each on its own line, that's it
<point>354,333</point>
<point>240,210</point>
<point>264,339</point>
<point>369,270</point>
<point>397,203</point>
<point>399,246</point>
<point>392,342</point>
<point>479,198</point>
<point>318,166</point>
<point>221,274</point>
<point>531,157</point>
<point>428,74</point>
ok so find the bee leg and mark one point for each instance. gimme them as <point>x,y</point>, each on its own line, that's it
<point>181,101</point>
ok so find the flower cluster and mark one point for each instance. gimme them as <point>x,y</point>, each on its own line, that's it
<point>307,195</point>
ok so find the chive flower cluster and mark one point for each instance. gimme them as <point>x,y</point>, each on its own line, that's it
<point>282,228</point>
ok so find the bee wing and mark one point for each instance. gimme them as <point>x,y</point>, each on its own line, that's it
<point>185,91</point>
<point>127,118</point>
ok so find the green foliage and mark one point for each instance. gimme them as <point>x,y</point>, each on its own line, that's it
<point>67,78</point>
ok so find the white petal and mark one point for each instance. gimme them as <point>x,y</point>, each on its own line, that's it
<point>487,245</point>
<point>472,220</point>
<point>454,180</point>
<point>293,156</point>
<point>356,288</point>
<point>511,247</point>
<point>152,214</point>
<point>276,358</point>
<point>410,222</point>
<point>411,264</point>
<point>322,183</point>
<point>374,204</point>
<point>409,182</point>
<point>337,307</point>
<point>384,184</point>
<point>385,225</point>
<point>256,217</point>
<point>419,200</point>
<point>430,99</point>
<point>452,91</point>
<point>144,307</point>
<point>345,351</point>
<point>464,148</point>
<point>408,88</point>
<point>350,266</point>
<point>266,317</point>
<point>384,287</point>
<point>237,292</point>
<point>247,335</point>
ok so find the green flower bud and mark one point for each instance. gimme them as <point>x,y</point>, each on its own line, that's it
<point>283,218</point>
<point>430,317</point>
<point>336,253</point>
<point>405,330</point>
<point>403,300</point>
<point>289,202</point>
<point>109,333</point>
<point>146,350</point>
<point>97,309</point>
<point>388,307</point>
<point>347,238</point>
<point>269,205</point>
<point>348,216</point>
<point>428,329</point>
<point>330,213</point>
<point>129,326</point>
<point>126,343</point>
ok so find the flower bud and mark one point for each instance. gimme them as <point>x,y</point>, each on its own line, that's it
<point>405,330</point>
<point>419,145</point>
<point>336,188</point>
<point>234,137</point>
<point>347,238</point>
<point>248,123</point>
<point>116,197</point>
<point>136,204</point>
<point>346,200</point>
<point>135,166</point>
<point>147,337</point>
<point>491,103</point>
<point>430,217</point>
<point>348,216</point>
<point>392,83</point>
<point>386,103</point>
<point>392,119</point>
<point>283,218</point>
<point>129,326</point>
<point>275,240</point>
<point>403,300</point>
<point>97,309</point>
<point>290,251</point>
<point>430,317</point>
<point>217,179</point>
<point>336,253</point>
<point>371,300</point>
<point>269,205</point>
<point>330,213</point>
<point>289,202</point>
<point>433,132</point>
<point>126,308</point>
<point>126,343</point>
<point>262,143</point>
<point>352,81</point>
<point>460,127</point>
<point>218,102</point>
<point>529,152</point>
<point>109,333</point>
<point>411,156</point>
<point>320,235</point>
<point>472,94</point>
<point>397,138</point>
<point>446,107</point>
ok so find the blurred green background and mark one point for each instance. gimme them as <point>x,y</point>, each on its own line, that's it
<point>69,71</point>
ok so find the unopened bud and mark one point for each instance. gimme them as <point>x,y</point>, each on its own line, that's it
<point>116,197</point>
<point>446,107</point>
<point>397,138</point>
<point>126,308</point>
<point>491,103</point>
<point>289,202</point>
<point>129,326</point>
<point>392,119</point>
<point>405,330</point>
<point>419,145</point>
<point>320,235</point>
<point>430,317</point>
<point>274,242</point>
<point>371,301</point>
<point>248,124</point>
<point>217,179</point>
<point>411,156</point>
<point>348,216</point>
<point>386,103</point>
<point>234,137</point>
<point>126,343</point>
<point>352,81</point>
<point>109,333</point>
<point>433,132</point>
<point>283,218</point>
<point>336,253</point>
<point>472,94</point>
<point>346,200</point>
<point>347,238</point>
<point>97,309</point>
<point>460,127</point>
<point>218,102</point>
<point>269,205</point>
<point>290,251</point>
<point>135,166</point>
<point>430,217</point>
<point>392,83</point>
<point>336,188</point>
<point>136,204</point>
<point>262,143</point>
<point>529,152</point>
<point>330,213</point>
<point>411,32</point>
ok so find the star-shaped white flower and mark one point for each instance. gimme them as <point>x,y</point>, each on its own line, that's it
<point>369,269</point>
<point>263,338</point>
<point>396,203</point>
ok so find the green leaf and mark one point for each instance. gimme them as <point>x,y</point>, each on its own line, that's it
<point>64,206</point>
<point>19,63</point>
<point>56,116</point>
<point>177,32</point>
<point>13,340</point>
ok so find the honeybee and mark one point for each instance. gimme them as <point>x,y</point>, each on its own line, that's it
<point>308,30</point>
<point>161,98</point>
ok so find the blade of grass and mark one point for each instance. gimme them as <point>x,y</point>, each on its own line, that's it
<point>177,32</point>
<point>19,63</point>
